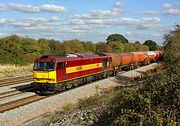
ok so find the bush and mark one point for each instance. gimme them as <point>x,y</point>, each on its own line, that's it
<point>157,100</point>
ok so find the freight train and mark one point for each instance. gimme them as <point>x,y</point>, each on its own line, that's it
<point>53,73</point>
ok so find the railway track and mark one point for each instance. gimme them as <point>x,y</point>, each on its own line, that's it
<point>15,92</point>
<point>15,80</point>
<point>20,102</point>
<point>24,101</point>
<point>27,100</point>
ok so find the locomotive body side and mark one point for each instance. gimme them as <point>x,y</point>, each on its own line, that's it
<point>84,66</point>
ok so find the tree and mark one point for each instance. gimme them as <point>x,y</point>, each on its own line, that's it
<point>102,47</point>
<point>30,45</point>
<point>73,46</point>
<point>128,47</point>
<point>56,47</point>
<point>116,47</point>
<point>140,47</point>
<point>152,44</point>
<point>137,42</point>
<point>44,47</point>
<point>172,47</point>
<point>89,46</point>
<point>116,38</point>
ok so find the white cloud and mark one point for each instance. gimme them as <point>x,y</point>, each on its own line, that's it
<point>37,28</point>
<point>129,20</point>
<point>119,4</point>
<point>3,34</point>
<point>177,5</point>
<point>24,8</point>
<point>99,14</point>
<point>33,23</point>
<point>3,7</point>
<point>55,18</point>
<point>31,9</point>
<point>167,6</point>
<point>52,8</point>
<point>94,23</point>
<point>81,27</point>
<point>142,36</point>
<point>150,20</point>
<point>171,9</point>
<point>149,12</point>
<point>167,12</point>
<point>20,23</point>
<point>104,13</point>
<point>77,22</point>
<point>3,21</point>
<point>172,12</point>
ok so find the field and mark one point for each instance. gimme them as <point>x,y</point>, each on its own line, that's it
<point>14,70</point>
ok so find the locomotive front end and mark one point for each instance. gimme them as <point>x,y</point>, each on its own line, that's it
<point>44,75</point>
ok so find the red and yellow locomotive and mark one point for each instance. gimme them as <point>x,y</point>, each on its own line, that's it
<point>58,72</point>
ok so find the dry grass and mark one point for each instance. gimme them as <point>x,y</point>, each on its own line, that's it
<point>13,70</point>
<point>68,107</point>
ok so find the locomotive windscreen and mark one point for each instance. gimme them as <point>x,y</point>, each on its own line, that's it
<point>44,66</point>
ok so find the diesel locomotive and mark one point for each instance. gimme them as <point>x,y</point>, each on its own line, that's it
<point>53,73</point>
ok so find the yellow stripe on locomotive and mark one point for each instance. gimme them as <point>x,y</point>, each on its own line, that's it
<point>83,67</point>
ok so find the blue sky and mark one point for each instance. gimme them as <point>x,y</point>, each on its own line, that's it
<point>89,20</point>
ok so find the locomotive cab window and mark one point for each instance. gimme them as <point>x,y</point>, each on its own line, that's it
<point>104,64</point>
<point>60,66</point>
<point>44,66</point>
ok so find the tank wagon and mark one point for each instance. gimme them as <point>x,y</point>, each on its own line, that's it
<point>52,73</point>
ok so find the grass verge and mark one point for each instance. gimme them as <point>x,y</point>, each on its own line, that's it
<point>13,70</point>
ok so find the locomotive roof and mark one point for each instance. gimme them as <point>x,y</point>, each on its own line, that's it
<point>71,56</point>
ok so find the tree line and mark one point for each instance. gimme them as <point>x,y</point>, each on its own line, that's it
<point>22,50</point>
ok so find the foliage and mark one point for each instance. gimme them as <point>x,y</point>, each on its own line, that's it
<point>156,101</point>
<point>140,47</point>
<point>102,47</point>
<point>24,50</point>
<point>89,47</point>
<point>172,46</point>
<point>116,38</point>
<point>152,44</point>
<point>73,46</point>
<point>116,47</point>
<point>44,46</point>
<point>129,47</point>
<point>56,47</point>
<point>137,42</point>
